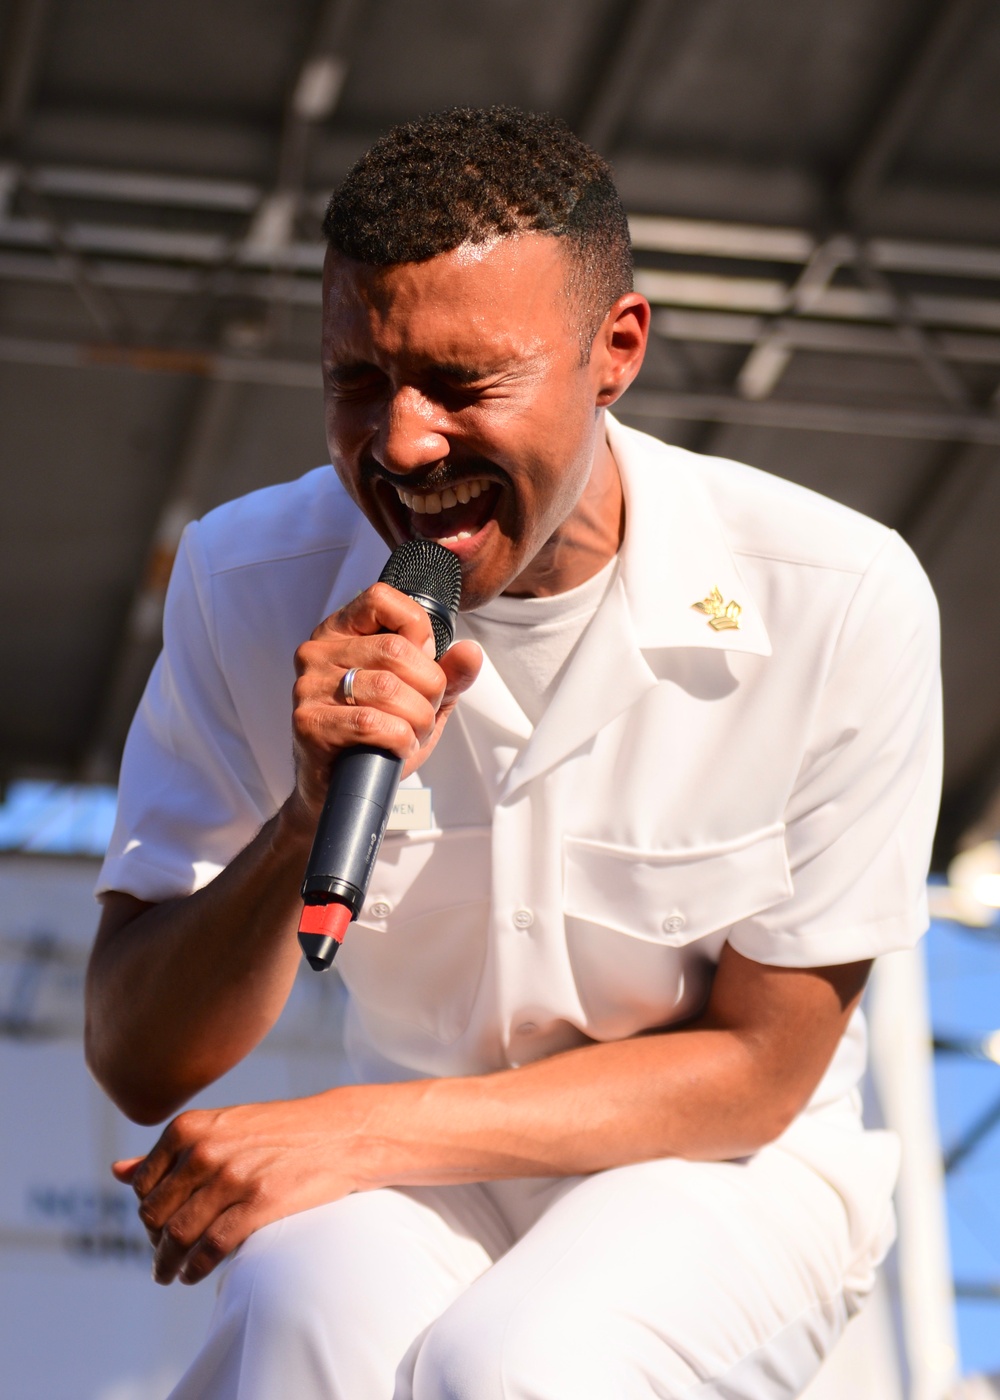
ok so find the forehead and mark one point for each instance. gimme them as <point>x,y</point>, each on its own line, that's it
<point>511,292</point>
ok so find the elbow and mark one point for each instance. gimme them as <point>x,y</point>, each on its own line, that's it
<point>133,1095</point>
<point>777,1111</point>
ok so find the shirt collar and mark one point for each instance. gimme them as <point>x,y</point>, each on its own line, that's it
<point>675,555</point>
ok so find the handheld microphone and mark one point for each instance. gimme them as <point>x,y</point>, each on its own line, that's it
<point>364,779</point>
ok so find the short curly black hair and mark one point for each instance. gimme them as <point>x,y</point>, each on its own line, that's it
<point>470,174</point>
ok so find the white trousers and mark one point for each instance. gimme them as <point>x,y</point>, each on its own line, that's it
<point>665,1279</point>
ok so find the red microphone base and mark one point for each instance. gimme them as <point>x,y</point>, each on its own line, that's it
<point>321,932</point>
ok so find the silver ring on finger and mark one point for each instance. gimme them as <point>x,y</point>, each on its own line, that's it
<point>348,685</point>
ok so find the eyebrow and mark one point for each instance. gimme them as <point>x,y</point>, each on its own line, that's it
<point>349,367</point>
<point>461,374</point>
<point>458,373</point>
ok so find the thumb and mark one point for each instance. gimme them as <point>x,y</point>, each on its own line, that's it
<point>124,1168</point>
<point>461,664</point>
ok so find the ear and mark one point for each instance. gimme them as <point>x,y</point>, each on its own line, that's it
<point>619,347</point>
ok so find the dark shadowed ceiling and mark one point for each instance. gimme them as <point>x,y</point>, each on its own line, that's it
<point>815,187</point>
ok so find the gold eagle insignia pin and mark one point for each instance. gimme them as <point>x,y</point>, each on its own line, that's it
<point>722,616</point>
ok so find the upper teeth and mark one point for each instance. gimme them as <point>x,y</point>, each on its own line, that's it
<point>435,502</point>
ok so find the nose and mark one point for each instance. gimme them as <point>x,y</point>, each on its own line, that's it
<point>411,432</point>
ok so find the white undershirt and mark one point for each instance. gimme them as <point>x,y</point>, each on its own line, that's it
<point>530,640</point>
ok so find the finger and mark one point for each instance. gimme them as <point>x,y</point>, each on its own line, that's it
<point>124,1169</point>
<point>197,1166</point>
<point>322,662</point>
<point>461,665</point>
<point>183,1230</point>
<point>226,1233</point>
<point>321,730</point>
<point>149,1170</point>
<point>384,609</point>
<point>384,691</point>
<point>169,1147</point>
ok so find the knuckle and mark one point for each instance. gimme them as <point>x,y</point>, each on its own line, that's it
<point>231,1175</point>
<point>380,593</point>
<point>214,1245</point>
<point>311,727</point>
<point>203,1155</point>
<point>427,723</point>
<point>305,724</point>
<point>390,646</point>
<point>367,723</point>
<point>385,685</point>
<point>258,1195</point>
<point>176,1233</point>
<point>376,727</point>
<point>186,1125</point>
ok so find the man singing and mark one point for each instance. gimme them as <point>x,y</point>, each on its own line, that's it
<point>678,777</point>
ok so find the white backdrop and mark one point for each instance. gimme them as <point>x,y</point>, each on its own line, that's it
<point>80,1318</point>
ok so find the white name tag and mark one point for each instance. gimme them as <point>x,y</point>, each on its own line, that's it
<point>411,810</point>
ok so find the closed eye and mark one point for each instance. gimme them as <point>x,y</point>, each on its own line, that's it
<point>348,381</point>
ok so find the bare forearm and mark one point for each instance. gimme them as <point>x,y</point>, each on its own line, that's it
<point>700,1093</point>
<point>183,991</point>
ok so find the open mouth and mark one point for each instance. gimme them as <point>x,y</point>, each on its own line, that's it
<point>452,516</point>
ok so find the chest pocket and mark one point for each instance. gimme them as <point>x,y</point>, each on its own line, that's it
<point>645,928</point>
<point>415,957</point>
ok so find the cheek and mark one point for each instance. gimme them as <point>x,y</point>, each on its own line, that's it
<point>346,438</point>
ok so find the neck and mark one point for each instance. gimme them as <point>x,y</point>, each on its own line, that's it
<point>586,540</point>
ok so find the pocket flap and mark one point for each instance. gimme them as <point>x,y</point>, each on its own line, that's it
<point>675,896</point>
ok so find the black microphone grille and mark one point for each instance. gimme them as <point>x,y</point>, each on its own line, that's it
<point>426,570</point>
<point>424,566</point>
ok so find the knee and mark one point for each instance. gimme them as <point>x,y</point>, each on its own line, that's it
<point>535,1352</point>
<point>273,1285</point>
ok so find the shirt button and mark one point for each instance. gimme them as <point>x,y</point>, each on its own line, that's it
<point>523,918</point>
<point>674,923</point>
<point>527,1028</point>
<point>381,908</point>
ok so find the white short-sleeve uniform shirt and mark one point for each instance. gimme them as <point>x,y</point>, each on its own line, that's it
<point>773,785</point>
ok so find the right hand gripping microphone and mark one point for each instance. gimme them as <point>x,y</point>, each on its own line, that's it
<point>363,780</point>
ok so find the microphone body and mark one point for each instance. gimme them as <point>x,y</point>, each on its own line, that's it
<point>363,785</point>
<point>364,779</point>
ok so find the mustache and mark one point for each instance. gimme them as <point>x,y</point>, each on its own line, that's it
<point>438,477</point>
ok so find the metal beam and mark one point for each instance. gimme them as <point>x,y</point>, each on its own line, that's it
<point>769,297</point>
<point>767,361</point>
<point>803,416</point>
<point>912,336</point>
<point>23,45</point>
<point>147,188</point>
<point>208,432</point>
<point>312,97</point>
<point>980,1128</point>
<point>600,123</point>
<point>99,306</point>
<point>935,56</point>
<point>657,233</point>
<point>160,277</point>
<point>824,337</point>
